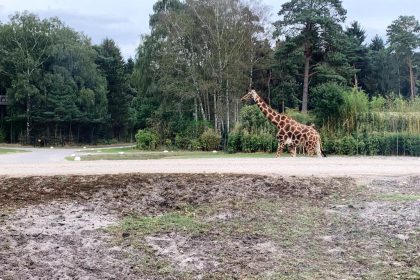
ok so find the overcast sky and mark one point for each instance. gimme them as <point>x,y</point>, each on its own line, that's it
<point>125,20</point>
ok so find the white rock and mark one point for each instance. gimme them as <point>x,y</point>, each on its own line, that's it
<point>402,236</point>
<point>51,147</point>
<point>73,155</point>
<point>84,147</point>
<point>121,153</point>
<point>77,158</point>
<point>166,151</point>
<point>214,151</point>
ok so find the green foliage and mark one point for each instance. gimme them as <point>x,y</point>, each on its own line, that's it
<point>404,35</point>
<point>54,86</point>
<point>62,88</point>
<point>303,118</point>
<point>377,104</point>
<point>210,140</point>
<point>355,103</point>
<point>146,140</point>
<point>374,144</point>
<point>243,141</point>
<point>253,119</point>
<point>327,100</point>
<point>189,132</point>
<point>119,93</point>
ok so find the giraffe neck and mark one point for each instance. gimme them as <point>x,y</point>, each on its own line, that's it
<point>272,115</point>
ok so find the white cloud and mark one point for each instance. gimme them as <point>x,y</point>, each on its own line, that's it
<point>123,21</point>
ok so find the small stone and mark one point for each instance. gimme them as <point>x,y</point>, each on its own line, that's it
<point>125,234</point>
<point>402,236</point>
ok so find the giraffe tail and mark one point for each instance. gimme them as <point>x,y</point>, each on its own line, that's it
<point>320,151</point>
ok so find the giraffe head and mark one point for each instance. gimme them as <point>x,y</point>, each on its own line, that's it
<point>251,95</point>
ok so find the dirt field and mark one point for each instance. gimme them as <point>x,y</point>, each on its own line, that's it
<point>209,226</point>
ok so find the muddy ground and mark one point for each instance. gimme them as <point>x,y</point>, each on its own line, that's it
<point>208,226</point>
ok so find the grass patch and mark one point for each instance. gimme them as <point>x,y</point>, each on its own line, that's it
<point>11,151</point>
<point>112,150</point>
<point>400,197</point>
<point>167,222</point>
<point>142,155</point>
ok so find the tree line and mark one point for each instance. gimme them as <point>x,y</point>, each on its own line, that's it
<point>191,70</point>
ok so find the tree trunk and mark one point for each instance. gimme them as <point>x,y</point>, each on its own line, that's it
<point>28,119</point>
<point>227,108</point>
<point>306,83</point>
<point>215,111</point>
<point>412,82</point>
<point>11,132</point>
<point>356,81</point>
<point>268,87</point>
<point>195,110</point>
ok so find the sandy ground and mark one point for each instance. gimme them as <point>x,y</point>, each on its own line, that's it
<point>208,226</point>
<point>285,218</point>
<point>52,162</point>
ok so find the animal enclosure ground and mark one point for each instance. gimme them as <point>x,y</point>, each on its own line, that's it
<point>208,226</point>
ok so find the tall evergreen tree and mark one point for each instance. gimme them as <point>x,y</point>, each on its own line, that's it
<point>404,38</point>
<point>112,66</point>
<point>311,23</point>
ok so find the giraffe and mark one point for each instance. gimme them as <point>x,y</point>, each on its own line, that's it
<point>290,132</point>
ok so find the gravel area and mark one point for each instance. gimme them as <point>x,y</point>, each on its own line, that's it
<point>46,162</point>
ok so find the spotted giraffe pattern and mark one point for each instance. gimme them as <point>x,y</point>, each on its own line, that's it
<point>290,132</point>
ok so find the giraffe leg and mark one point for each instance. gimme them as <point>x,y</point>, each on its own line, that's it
<point>318,148</point>
<point>292,151</point>
<point>280,148</point>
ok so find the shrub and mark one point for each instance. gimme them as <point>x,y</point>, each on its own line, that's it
<point>210,140</point>
<point>195,145</point>
<point>327,99</point>
<point>251,142</point>
<point>374,144</point>
<point>377,104</point>
<point>295,114</point>
<point>254,120</point>
<point>182,142</point>
<point>146,140</point>
<point>186,143</point>
<point>234,142</point>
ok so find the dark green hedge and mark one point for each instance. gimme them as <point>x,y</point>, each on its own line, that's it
<point>374,144</point>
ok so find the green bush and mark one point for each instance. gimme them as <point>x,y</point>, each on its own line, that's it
<point>254,120</point>
<point>306,118</point>
<point>182,142</point>
<point>146,140</point>
<point>327,99</point>
<point>374,144</point>
<point>195,145</point>
<point>251,142</point>
<point>186,143</point>
<point>210,140</point>
<point>377,104</point>
<point>234,142</point>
